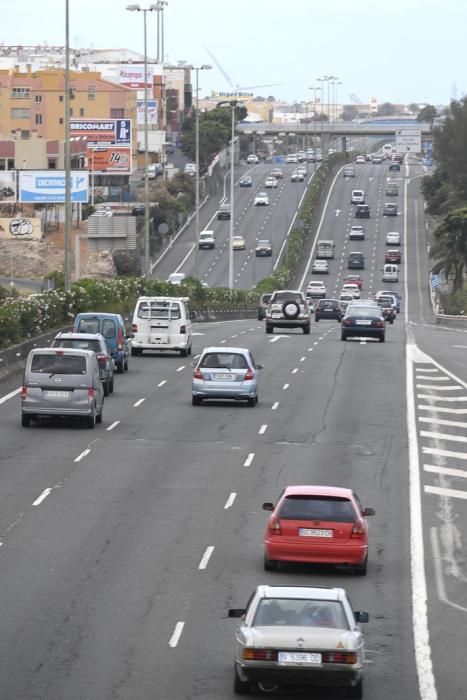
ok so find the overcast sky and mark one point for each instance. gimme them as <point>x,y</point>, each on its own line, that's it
<point>397,50</point>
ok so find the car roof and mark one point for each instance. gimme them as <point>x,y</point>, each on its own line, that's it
<point>63,351</point>
<point>318,490</point>
<point>68,335</point>
<point>300,592</point>
<point>224,349</point>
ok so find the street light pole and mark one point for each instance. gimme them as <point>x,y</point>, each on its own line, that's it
<point>67,270</point>
<point>197,69</point>
<point>233,104</point>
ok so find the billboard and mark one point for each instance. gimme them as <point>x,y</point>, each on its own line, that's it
<point>152,112</point>
<point>21,229</point>
<point>48,186</point>
<point>7,186</point>
<point>132,76</point>
<point>97,132</point>
<point>109,160</point>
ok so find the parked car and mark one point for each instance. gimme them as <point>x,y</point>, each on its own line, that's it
<point>298,636</point>
<point>225,373</point>
<point>112,327</point>
<point>96,343</point>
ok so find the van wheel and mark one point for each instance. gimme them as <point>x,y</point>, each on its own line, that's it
<point>106,386</point>
<point>91,420</point>
<point>183,353</point>
<point>111,386</point>
<point>195,401</point>
<point>101,414</point>
<point>306,330</point>
<point>25,420</point>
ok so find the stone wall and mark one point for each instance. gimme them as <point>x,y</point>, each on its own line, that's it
<point>29,259</point>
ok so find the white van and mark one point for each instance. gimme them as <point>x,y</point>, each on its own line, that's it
<point>390,273</point>
<point>206,239</point>
<point>358,197</point>
<point>161,323</point>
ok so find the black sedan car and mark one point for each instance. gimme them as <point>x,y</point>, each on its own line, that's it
<point>328,308</point>
<point>395,166</point>
<point>245,181</point>
<point>363,321</point>
<point>263,249</point>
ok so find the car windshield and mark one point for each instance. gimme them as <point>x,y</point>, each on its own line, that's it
<point>58,364</point>
<point>227,360</point>
<point>159,310</point>
<point>332,508</point>
<point>300,612</point>
<point>77,344</point>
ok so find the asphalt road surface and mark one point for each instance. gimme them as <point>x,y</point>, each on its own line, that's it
<point>122,548</point>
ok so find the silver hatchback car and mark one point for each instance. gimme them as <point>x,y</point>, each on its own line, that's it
<point>225,373</point>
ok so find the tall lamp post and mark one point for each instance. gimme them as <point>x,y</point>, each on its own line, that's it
<point>147,254</point>
<point>67,149</point>
<point>204,66</point>
<point>232,104</point>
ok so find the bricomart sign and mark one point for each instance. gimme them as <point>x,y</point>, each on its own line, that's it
<point>102,132</point>
<point>48,186</point>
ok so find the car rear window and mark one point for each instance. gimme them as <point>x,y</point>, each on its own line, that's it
<point>317,508</point>
<point>58,364</point>
<point>93,345</point>
<point>301,612</point>
<point>287,296</point>
<point>328,304</point>
<point>89,325</point>
<point>160,311</point>
<point>228,360</point>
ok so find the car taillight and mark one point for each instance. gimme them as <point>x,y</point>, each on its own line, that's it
<point>259,654</point>
<point>134,327</point>
<point>379,324</point>
<point>248,375</point>
<point>91,393</point>
<point>197,374</point>
<point>357,531</point>
<point>347,322</point>
<point>275,527</point>
<point>120,339</point>
<point>101,357</point>
<point>24,391</point>
<point>340,657</point>
<point>182,330</point>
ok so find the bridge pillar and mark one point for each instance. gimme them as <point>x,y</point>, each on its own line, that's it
<point>325,142</point>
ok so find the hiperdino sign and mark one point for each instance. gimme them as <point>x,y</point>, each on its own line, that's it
<point>231,95</point>
<point>21,229</point>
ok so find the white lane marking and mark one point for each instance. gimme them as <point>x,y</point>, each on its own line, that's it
<point>439,388</point>
<point>10,395</point>
<point>179,369</point>
<point>42,497</point>
<point>446,493</point>
<point>286,386</point>
<point>294,371</point>
<point>440,421</point>
<point>83,454</point>
<point>222,342</point>
<point>139,402</point>
<point>442,436</point>
<point>230,501</point>
<point>164,381</point>
<point>441,398</point>
<point>177,633</point>
<point>440,409</point>
<point>437,562</point>
<point>263,429</point>
<point>302,359</point>
<point>186,257</point>
<point>197,333</point>
<point>274,406</point>
<point>234,335</point>
<point>113,425</point>
<point>443,453</point>
<point>460,346</point>
<point>423,660</point>
<point>432,379</point>
<point>206,557</point>
<point>249,459</point>
<point>424,370</point>
<point>445,471</point>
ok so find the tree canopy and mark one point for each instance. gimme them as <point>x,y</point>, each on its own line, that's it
<point>427,114</point>
<point>214,132</point>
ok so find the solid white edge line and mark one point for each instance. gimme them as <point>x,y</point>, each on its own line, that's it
<point>10,395</point>
<point>230,501</point>
<point>113,425</point>
<point>426,680</point>
<point>84,453</point>
<point>206,557</point>
<point>42,497</point>
<point>177,633</point>
<point>249,459</point>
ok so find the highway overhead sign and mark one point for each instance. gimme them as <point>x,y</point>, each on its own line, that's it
<point>408,140</point>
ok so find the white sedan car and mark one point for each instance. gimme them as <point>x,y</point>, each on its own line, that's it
<point>316,290</point>
<point>393,238</point>
<point>299,636</point>
<point>270,182</point>
<point>261,199</point>
<point>352,289</point>
<point>252,158</point>
<point>320,267</point>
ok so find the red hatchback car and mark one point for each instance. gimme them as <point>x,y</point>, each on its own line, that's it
<point>319,525</point>
<point>354,279</point>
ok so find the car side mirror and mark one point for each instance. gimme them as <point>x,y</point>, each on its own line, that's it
<point>268,506</point>
<point>236,612</point>
<point>369,511</point>
<point>259,366</point>
<point>361,616</point>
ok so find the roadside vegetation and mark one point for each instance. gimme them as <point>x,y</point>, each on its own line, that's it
<point>445,192</point>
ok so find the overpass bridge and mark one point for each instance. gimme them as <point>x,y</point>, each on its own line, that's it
<point>336,129</point>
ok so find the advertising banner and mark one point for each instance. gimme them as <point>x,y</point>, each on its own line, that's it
<point>111,160</point>
<point>132,76</point>
<point>152,112</point>
<point>7,186</point>
<point>21,229</point>
<point>97,132</point>
<point>48,186</point>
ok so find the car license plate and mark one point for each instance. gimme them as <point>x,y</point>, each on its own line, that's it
<point>57,394</point>
<point>314,532</point>
<point>276,314</point>
<point>363,322</point>
<point>224,377</point>
<point>298,657</point>
<point>158,341</point>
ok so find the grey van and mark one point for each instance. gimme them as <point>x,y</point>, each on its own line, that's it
<point>62,382</point>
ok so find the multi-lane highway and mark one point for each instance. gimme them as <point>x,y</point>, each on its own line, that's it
<point>122,548</point>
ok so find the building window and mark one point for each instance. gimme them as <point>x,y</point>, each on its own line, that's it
<point>20,113</point>
<point>10,164</point>
<point>81,111</point>
<point>60,121</point>
<point>25,134</point>
<point>91,92</point>
<point>38,118</point>
<point>117,113</point>
<point>38,99</point>
<point>52,164</point>
<point>60,98</point>
<point>20,93</point>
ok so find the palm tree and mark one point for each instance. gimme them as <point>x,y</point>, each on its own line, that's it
<point>449,249</point>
